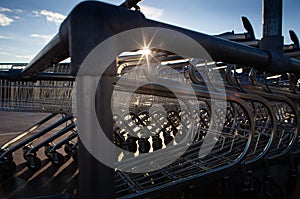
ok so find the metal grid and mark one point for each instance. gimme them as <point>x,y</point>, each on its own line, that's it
<point>284,109</point>
<point>37,96</point>
<point>228,151</point>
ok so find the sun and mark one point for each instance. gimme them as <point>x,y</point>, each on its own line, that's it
<point>145,51</point>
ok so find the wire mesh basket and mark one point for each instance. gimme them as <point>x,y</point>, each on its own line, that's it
<point>229,150</point>
<point>285,109</point>
<point>37,96</point>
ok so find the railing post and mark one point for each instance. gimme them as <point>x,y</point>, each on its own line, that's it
<point>88,25</point>
<point>272,18</point>
<point>272,40</point>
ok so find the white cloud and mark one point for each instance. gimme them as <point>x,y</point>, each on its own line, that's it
<point>5,9</point>
<point>50,16</point>
<point>44,37</point>
<point>5,20</point>
<point>28,57</point>
<point>4,37</point>
<point>18,11</point>
<point>4,53</point>
<point>151,12</point>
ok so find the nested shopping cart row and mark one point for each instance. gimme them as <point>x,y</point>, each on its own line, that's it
<point>254,125</point>
<point>273,134</point>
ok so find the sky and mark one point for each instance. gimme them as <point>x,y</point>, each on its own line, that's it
<point>26,26</point>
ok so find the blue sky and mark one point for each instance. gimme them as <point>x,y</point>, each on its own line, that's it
<point>27,25</point>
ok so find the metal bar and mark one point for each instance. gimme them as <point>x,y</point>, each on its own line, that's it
<point>4,75</point>
<point>272,31</point>
<point>293,54</point>
<point>272,18</point>
<point>27,131</point>
<point>38,76</point>
<point>54,52</point>
<point>55,76</point>
<point>64,141</point>
<point>233,37</point>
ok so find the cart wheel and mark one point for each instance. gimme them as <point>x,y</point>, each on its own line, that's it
<point>57,158</point>
<point>47,151</point>
<point>257,184</point>
<point>144,145</point>
<point>157,143</point>
<point>7,156</point>
<point>68,148</point>
<point>167,138</point>
<point>7,167</point>
<point>34,163</point>
<point>25,150</point>
<point>271,189</point>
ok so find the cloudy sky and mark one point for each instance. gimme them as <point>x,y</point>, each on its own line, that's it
<point>27,25</point>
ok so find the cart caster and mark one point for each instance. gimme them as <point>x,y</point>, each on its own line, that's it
<point>7,156</point>
<point>68,148</point>
<point>251,187</point>
<point>132,146</point>
<point>47,151</point>
<point>25,151</point>
<point>157,143</point>
<point>7,167</point>
<point>144,145</point>
<point>271,189</point>
<point>57,158</point>
<point>33,162</point>
<point>167,138</point>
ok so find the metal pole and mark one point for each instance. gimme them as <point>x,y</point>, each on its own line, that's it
<point>96,180</point>
<point>272,40</point>
<point>54,52</point>
<point>272,26</point>
<point>272,18</point>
